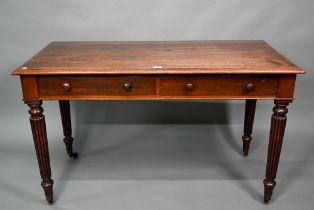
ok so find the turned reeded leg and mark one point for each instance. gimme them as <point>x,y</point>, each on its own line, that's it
<point>250,106</point>
<point>67,128</point>
<point>277,129</point>
<point>37,120</point>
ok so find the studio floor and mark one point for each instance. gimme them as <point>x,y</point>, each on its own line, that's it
<point>158,166</point>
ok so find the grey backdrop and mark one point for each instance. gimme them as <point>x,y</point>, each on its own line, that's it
<point>161,154</point>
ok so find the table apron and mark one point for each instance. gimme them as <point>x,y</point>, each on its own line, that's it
<point>157,87</point>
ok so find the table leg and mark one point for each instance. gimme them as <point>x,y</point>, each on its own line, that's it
<point>277,129</point>
<point>37,121</point>
<point>67,127</point>
<point>250,106</point>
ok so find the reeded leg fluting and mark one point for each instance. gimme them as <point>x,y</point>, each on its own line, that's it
<point>37,120</point>
<point>67,127</point>
<point>277,129</point>
<point>250,106</point>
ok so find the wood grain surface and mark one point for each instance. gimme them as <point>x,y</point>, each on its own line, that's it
<point>158,57</point>
<point>218,85</point>
<point>96,86</point>
<point>104,87</point>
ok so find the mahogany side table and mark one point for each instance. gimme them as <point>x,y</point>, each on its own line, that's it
<point>158,70</point>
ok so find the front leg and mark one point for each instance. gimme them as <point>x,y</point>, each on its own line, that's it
<point>67,127</point>
<point>277,130</point>
<point>37,120</point>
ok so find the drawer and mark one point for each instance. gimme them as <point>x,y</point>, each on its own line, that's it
<point>73,87</point>
<point>217,86</point>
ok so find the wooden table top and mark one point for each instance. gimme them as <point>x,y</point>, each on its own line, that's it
<point>158,57</point>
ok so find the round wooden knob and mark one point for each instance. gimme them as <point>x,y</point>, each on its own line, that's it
<point>66,86</point>
<point>249,87</point>
<point>127,86</point>
<point>189,86</point>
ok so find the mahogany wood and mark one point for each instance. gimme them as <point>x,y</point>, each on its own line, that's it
<point>158,57</point>
<point>96,86</point>
<point>277,130</point>
<point>217,85</point>
<point>286,86</point>
<point>67,127</point>
<point>189,70</point>
<point>250,106</point>
<point>29,87</point>
<point>89,87</point>
<point>37,120</point>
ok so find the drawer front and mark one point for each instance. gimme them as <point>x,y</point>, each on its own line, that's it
<point>95,86</point>
<point>217,86</point>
